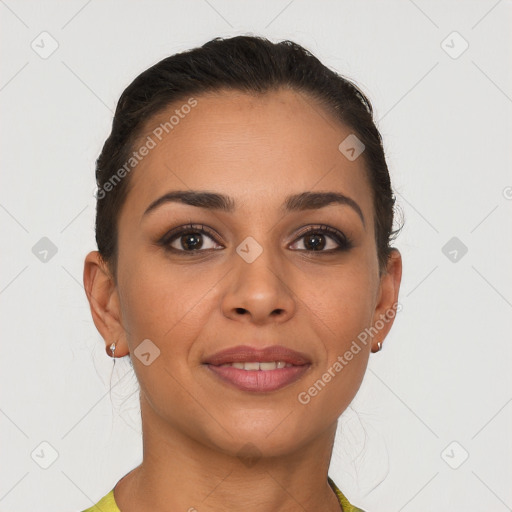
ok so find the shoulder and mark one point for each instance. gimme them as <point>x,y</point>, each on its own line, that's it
<point>345,504</point>
<point>106,504</point>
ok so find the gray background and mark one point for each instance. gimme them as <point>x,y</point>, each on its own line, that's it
<point>431,424</point>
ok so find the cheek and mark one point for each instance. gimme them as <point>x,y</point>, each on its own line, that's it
<point>342,301</point>
<point>161,303</point>
<point>341,307</point>
<point>170,308</point>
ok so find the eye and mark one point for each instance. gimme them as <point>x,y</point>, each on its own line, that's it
<point>190,238</point>
<point>315,239</point>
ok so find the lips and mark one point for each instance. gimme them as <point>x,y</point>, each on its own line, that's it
<point>251,369</point>
<point>246,354</point>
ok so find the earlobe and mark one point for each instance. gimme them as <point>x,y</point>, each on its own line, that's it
<point>388,304</point>
<point>103,300</point>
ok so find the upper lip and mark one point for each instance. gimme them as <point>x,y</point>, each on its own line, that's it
<point>246,353</point>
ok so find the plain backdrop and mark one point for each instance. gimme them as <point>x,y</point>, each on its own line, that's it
<point>430,426</point>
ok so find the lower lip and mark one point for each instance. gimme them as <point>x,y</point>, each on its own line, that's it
<point>259,380</point>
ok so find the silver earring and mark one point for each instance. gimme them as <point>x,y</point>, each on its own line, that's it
<point>379,344</point>
<point>113,349</point>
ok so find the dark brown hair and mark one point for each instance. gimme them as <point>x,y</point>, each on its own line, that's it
<point>248,64</point>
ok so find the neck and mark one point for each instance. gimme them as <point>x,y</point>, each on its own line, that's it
<point>181,473</point>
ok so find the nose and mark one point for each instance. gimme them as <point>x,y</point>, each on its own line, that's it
<point>259,292</point>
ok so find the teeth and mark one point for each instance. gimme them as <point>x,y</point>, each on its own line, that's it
<point>271,365</point>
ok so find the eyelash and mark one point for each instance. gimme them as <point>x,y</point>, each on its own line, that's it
<point>340,238</point>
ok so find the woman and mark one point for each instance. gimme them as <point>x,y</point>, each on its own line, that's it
<point>244,220</point>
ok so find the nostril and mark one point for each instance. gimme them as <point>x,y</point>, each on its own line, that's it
<point>242,311</point>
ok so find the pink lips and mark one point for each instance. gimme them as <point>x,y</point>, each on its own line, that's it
<point>258,380</point>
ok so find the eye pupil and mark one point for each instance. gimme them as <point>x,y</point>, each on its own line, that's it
<point>191,241</point>
<point>318,242</point>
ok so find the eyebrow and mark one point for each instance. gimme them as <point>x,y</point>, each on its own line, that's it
<point>221,202</point>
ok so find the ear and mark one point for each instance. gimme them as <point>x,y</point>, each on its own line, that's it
<point>387,302</point>
<point>102,294</point>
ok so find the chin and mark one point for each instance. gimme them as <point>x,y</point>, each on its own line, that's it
<point>263,439</point>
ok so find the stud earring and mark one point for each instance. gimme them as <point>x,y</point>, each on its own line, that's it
<point>113,349</point>
<point>379,344</point>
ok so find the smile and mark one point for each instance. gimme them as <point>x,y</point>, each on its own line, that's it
<point>271,365</point>
<point>250,368</point>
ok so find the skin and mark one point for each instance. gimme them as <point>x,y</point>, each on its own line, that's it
<point>257,150</point>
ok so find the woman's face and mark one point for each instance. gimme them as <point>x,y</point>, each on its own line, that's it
<point>253,278</point>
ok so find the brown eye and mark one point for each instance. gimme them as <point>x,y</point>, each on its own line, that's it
<point>189,239</point>
<point>316,239</point>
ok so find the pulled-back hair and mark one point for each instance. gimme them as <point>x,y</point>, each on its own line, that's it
<point>248,64</point>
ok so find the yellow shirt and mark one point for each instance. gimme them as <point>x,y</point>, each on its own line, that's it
<point>108,503</point>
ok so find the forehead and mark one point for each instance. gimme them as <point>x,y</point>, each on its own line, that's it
<point>252,147</point>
